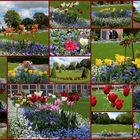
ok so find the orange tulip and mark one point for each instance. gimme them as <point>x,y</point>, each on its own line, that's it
<point>35,26</point>
<point>26,33</point>
<point>21,27</point>
<point>19,32</point>
<point>9,30</point>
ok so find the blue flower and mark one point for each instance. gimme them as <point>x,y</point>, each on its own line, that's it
<point>137,125</point>
<point>94,79</point>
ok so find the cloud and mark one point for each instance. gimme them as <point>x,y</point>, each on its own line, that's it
<point>25,13</point>
<point>114,115</point>
<point>66,61</point>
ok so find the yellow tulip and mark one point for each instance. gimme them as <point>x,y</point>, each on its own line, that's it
<point>98,62</point>
<point>10,71</point>
<point>40,73</point>
<point>119,59</point>
<point>108,62</point>
<point>13,74</point>
<point>34,72</point>
<point>26,69</point>
<point>30,72</point>
<point>137,62</point>
<point>45,72</point>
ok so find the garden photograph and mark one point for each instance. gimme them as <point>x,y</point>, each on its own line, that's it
<point>70,42</point>
<point>136,14</point>
<point>111,14</point>
<point>117,56</point>
<point>23,28</point>
<point>3,125</point>
<point>111,97</point>
<point>70,14</point>
<point>49,111</point>
<point>70,69</point>
<point>112,125</point>
<point>27,70</point>
<point>3,68</point>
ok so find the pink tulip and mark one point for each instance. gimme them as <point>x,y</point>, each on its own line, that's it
<point>70,103</point>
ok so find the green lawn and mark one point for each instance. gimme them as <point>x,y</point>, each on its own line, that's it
<point>4,135</point>
<point>84,6</point>
<point>71,74</point>
<point>96,128</point>
<point>108,50</point>
<point>12,66</point>
<point>3,97</point>
<point>116,6</point>
<point>41,38</point>
<point>104,105</point>
<point>3,63</point>
<point>82,107</point>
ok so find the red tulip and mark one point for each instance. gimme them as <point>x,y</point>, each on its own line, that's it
<point>106,89</point>
<point>33,98</point>
<point>76,97</point>
<point>112,97</point>
<point>119,104</point>
<point>64,94</point>
<point>93,101</point>
<point>43,99</point>
<point>126,91</point>
<point>71,98</point>
<point>113,104</point>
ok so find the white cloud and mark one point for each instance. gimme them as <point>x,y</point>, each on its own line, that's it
<point>25,13</point>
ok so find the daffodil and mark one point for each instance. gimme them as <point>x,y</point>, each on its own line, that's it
<point>119,59</point>
<point>98,62</point>
<point>137,62</point>
<point>108,62</point>
<point>34,72</point>
<point>26,69</point>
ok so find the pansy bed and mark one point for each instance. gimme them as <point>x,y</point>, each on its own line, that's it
<point>70,14</point>
<point>34,116</point>
<point>70,42</point>
<point>26,72</point>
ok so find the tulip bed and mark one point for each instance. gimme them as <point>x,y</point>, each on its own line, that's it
<point>111,100</point>
<point>33,116</point>
<point>70,42</point>
<point>27,73</point>
<point>70,14</point>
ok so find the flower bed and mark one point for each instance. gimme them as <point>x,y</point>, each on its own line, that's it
<point>32,117</point>
<point>70,42</point>
<point>122,70</point>
<point>27,73</point>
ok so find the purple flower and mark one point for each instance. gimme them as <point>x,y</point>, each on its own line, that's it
<point>137,125</point>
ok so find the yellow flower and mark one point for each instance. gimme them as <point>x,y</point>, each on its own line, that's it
<point>30,72</point>
<point>119,59</point>
<point>40,73</point>
<point>137,62</point>
<point>34,72</point>
<point>10,71</point>
<point>26,69</point>
<point>98,62</point>
<point>13,74</point>
<point>45,72</point>
<point>113,9</point>
<point>108,62</point>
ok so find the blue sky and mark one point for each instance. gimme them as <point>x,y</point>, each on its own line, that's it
<point>113,115</point>
<point>24,8</point>
<point>65,60</point>
<point>137,5</point>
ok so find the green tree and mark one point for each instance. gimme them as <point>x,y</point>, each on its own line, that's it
<point>85,63</point>
<point>72,66</point>
<point>28,23</point>
<point>12,19</point>
<point>125,118</point>
<point>41,19</point>
<point>53,72</point>
<point>62,67</point>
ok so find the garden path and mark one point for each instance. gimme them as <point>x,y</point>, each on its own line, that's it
<point>136,24</point>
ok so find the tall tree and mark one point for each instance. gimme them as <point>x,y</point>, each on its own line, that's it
<point>12,19</point>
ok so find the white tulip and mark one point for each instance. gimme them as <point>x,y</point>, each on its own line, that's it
<point>38,93</point>
<point>17,105</point>
<point>77,3</point>
<point>83,41</point>
<point>64,99</point>
<point>63,4</point>
<point>53,96</point>
<point>50,94</point>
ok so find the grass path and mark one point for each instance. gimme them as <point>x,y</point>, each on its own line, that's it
<point>96,128</point>
<point>3,62</point>
<point>104,105</point>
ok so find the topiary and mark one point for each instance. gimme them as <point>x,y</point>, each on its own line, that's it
<point>53,72</point>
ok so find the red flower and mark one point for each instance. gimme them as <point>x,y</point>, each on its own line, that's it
<point>112,97</point>
<point>126,91</point>
<point>119,104</point>
<point>76,97</point>
<point>71,46</point>
<point>71,98</point>
<point>93,101</point>
<point>106,89</point>
<point>113,104</point>
<point>33,98</point>
<point>43,99</point>
<point>64,94</point>
<point>65,11</point>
